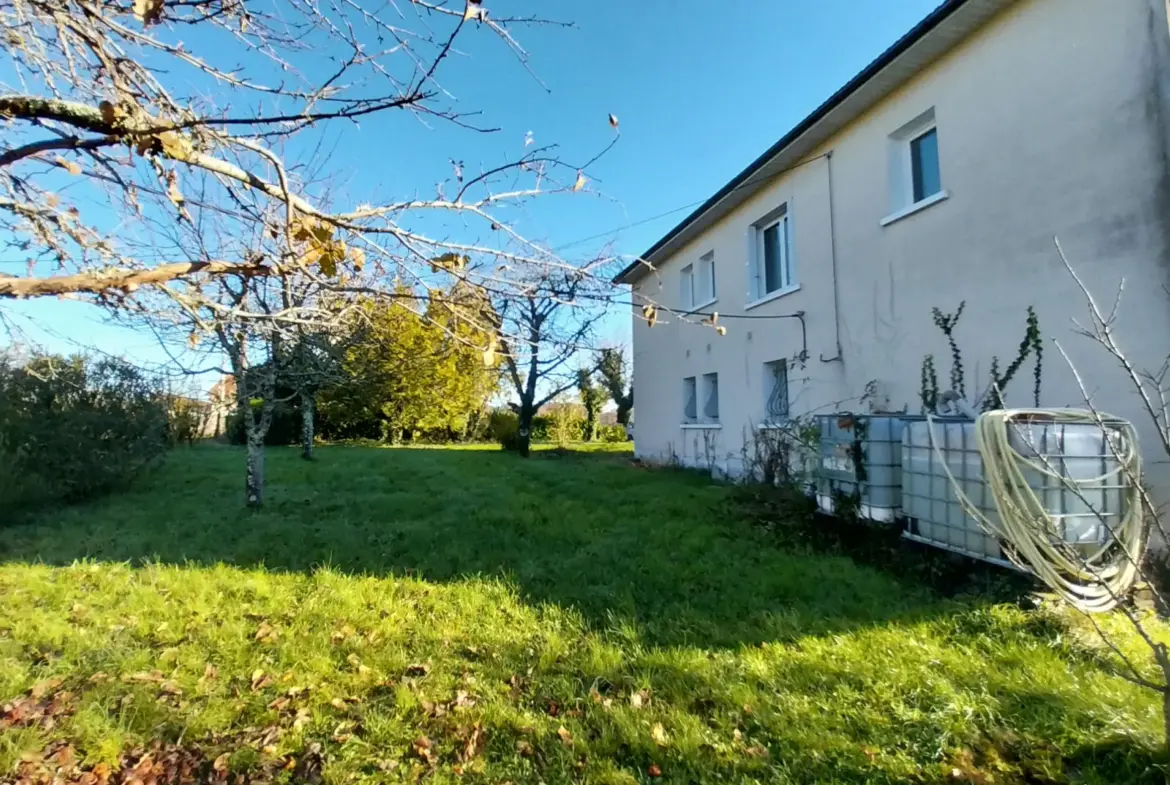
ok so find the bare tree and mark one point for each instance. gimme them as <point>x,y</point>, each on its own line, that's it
<point>1108,572</point>
<point>111,107</point>
<point>543,331</point>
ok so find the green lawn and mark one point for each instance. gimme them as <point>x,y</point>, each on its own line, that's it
<point>398,615</point>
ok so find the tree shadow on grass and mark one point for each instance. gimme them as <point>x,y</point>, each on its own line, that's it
<point>648,552</point>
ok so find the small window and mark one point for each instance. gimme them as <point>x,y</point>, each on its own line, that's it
<point>690,405</point>
<point>711,397</point>
<point>687,288</point>
<point>772,266</point>
<point>776,391</point>
<point>705,284</point>
<point>915,169</point>
<point>924,165</point>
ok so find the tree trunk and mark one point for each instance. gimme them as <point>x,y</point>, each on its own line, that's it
<point>524,434</point>
<point>623,414</point>
<point>308,406</point>
<point>254,478</point>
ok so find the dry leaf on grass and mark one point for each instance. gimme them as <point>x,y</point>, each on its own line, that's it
<point>566,736</point>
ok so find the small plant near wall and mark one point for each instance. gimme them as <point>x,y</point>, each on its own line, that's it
<point>992,397</point>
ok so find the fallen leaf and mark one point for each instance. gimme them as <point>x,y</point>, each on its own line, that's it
<point>654,771</point>
<point>337,703</point>
<point>221,763</point>
<point>658,733</point>
<point>302,719</point>
<point>423,749</point>
<point>139,678</point>
<point>566,736</point>
<point>280,704</point>
<point>41,688</point>
<point>581,181</point>
<point>417,670</point>
<point>266,632</point>
<point>209,672</point>
<point>260,680</point>
<point>474,743</point>
<point>756,751</point>
<point>524,749</point>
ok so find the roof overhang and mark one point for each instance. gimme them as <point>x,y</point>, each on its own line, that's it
<point>944,29</point>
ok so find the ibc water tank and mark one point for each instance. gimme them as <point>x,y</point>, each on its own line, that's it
<point>861,455</point>
<point>1079,451</point>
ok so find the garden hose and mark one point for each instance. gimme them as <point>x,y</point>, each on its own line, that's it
<point>1093,581</point>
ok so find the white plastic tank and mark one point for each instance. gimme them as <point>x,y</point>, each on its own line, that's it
<point>1079,451</point>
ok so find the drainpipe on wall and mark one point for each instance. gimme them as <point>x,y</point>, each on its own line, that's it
<point>833,261</point>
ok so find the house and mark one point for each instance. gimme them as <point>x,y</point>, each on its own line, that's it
<point>939,175</point>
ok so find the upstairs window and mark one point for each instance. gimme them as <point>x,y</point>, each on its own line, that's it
<point>770,264</point>
<point>915,169</point>
<point>697,283</point>
<point>686,299</point>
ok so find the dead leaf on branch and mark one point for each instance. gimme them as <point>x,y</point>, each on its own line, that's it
<point>474,11</point>
<point>581,181</point>
<point>72,167</point>
<point>613,121</point>
<point>650,314</point>
<point>148,11</point>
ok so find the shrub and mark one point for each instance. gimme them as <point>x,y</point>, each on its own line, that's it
<point>504,427</point>
<point>73,428</point>
<point>611,433</point>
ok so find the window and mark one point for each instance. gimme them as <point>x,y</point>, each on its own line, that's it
<point>924,165</point>
<point>770,255</point>
<point>697,283</point>
<point>711,397</point>
<point>915,172</point>
<point>686,297</point>
<point>776,391</point>
<point>690,407</point>
<point>705,284</point>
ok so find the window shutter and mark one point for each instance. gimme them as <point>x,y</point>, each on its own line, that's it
<point>752,269</point>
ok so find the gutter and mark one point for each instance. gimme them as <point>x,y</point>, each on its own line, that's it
<point>919,31</point>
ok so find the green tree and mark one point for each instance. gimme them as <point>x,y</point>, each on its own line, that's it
<point>614,371</point>
<point>407,371</point>
<point>592,398</point>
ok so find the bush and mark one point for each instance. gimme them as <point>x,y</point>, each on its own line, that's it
<point>504,427</point>
<point>611,433</point>
<point>73,428</point>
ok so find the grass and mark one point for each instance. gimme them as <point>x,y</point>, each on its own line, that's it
<point>466,616</point>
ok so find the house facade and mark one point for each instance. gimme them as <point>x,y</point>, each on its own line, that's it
<point>940,175</point>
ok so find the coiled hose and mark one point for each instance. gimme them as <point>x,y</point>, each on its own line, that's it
<point>1093,580</point>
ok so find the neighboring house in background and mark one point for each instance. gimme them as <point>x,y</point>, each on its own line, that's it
<point>223,401</point>
<point>939,174</point>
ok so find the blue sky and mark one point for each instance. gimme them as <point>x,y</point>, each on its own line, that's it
<point>700,90</point>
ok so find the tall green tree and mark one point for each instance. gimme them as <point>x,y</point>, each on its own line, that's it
<point>615,372</point>
<point>592,398</point>
<point>407,370</point>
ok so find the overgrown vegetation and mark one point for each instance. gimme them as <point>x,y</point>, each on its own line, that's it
<point>392,631</point>
<point>72,428</point>
<point>992,396</point>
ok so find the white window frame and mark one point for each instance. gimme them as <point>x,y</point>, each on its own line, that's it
<point>686,288</point>
<point>902,201</point>
<point>770,379</point>
<point>705,280</point>
<point>757,275</point>
<point>690,407</point>
<point>710,392</point>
